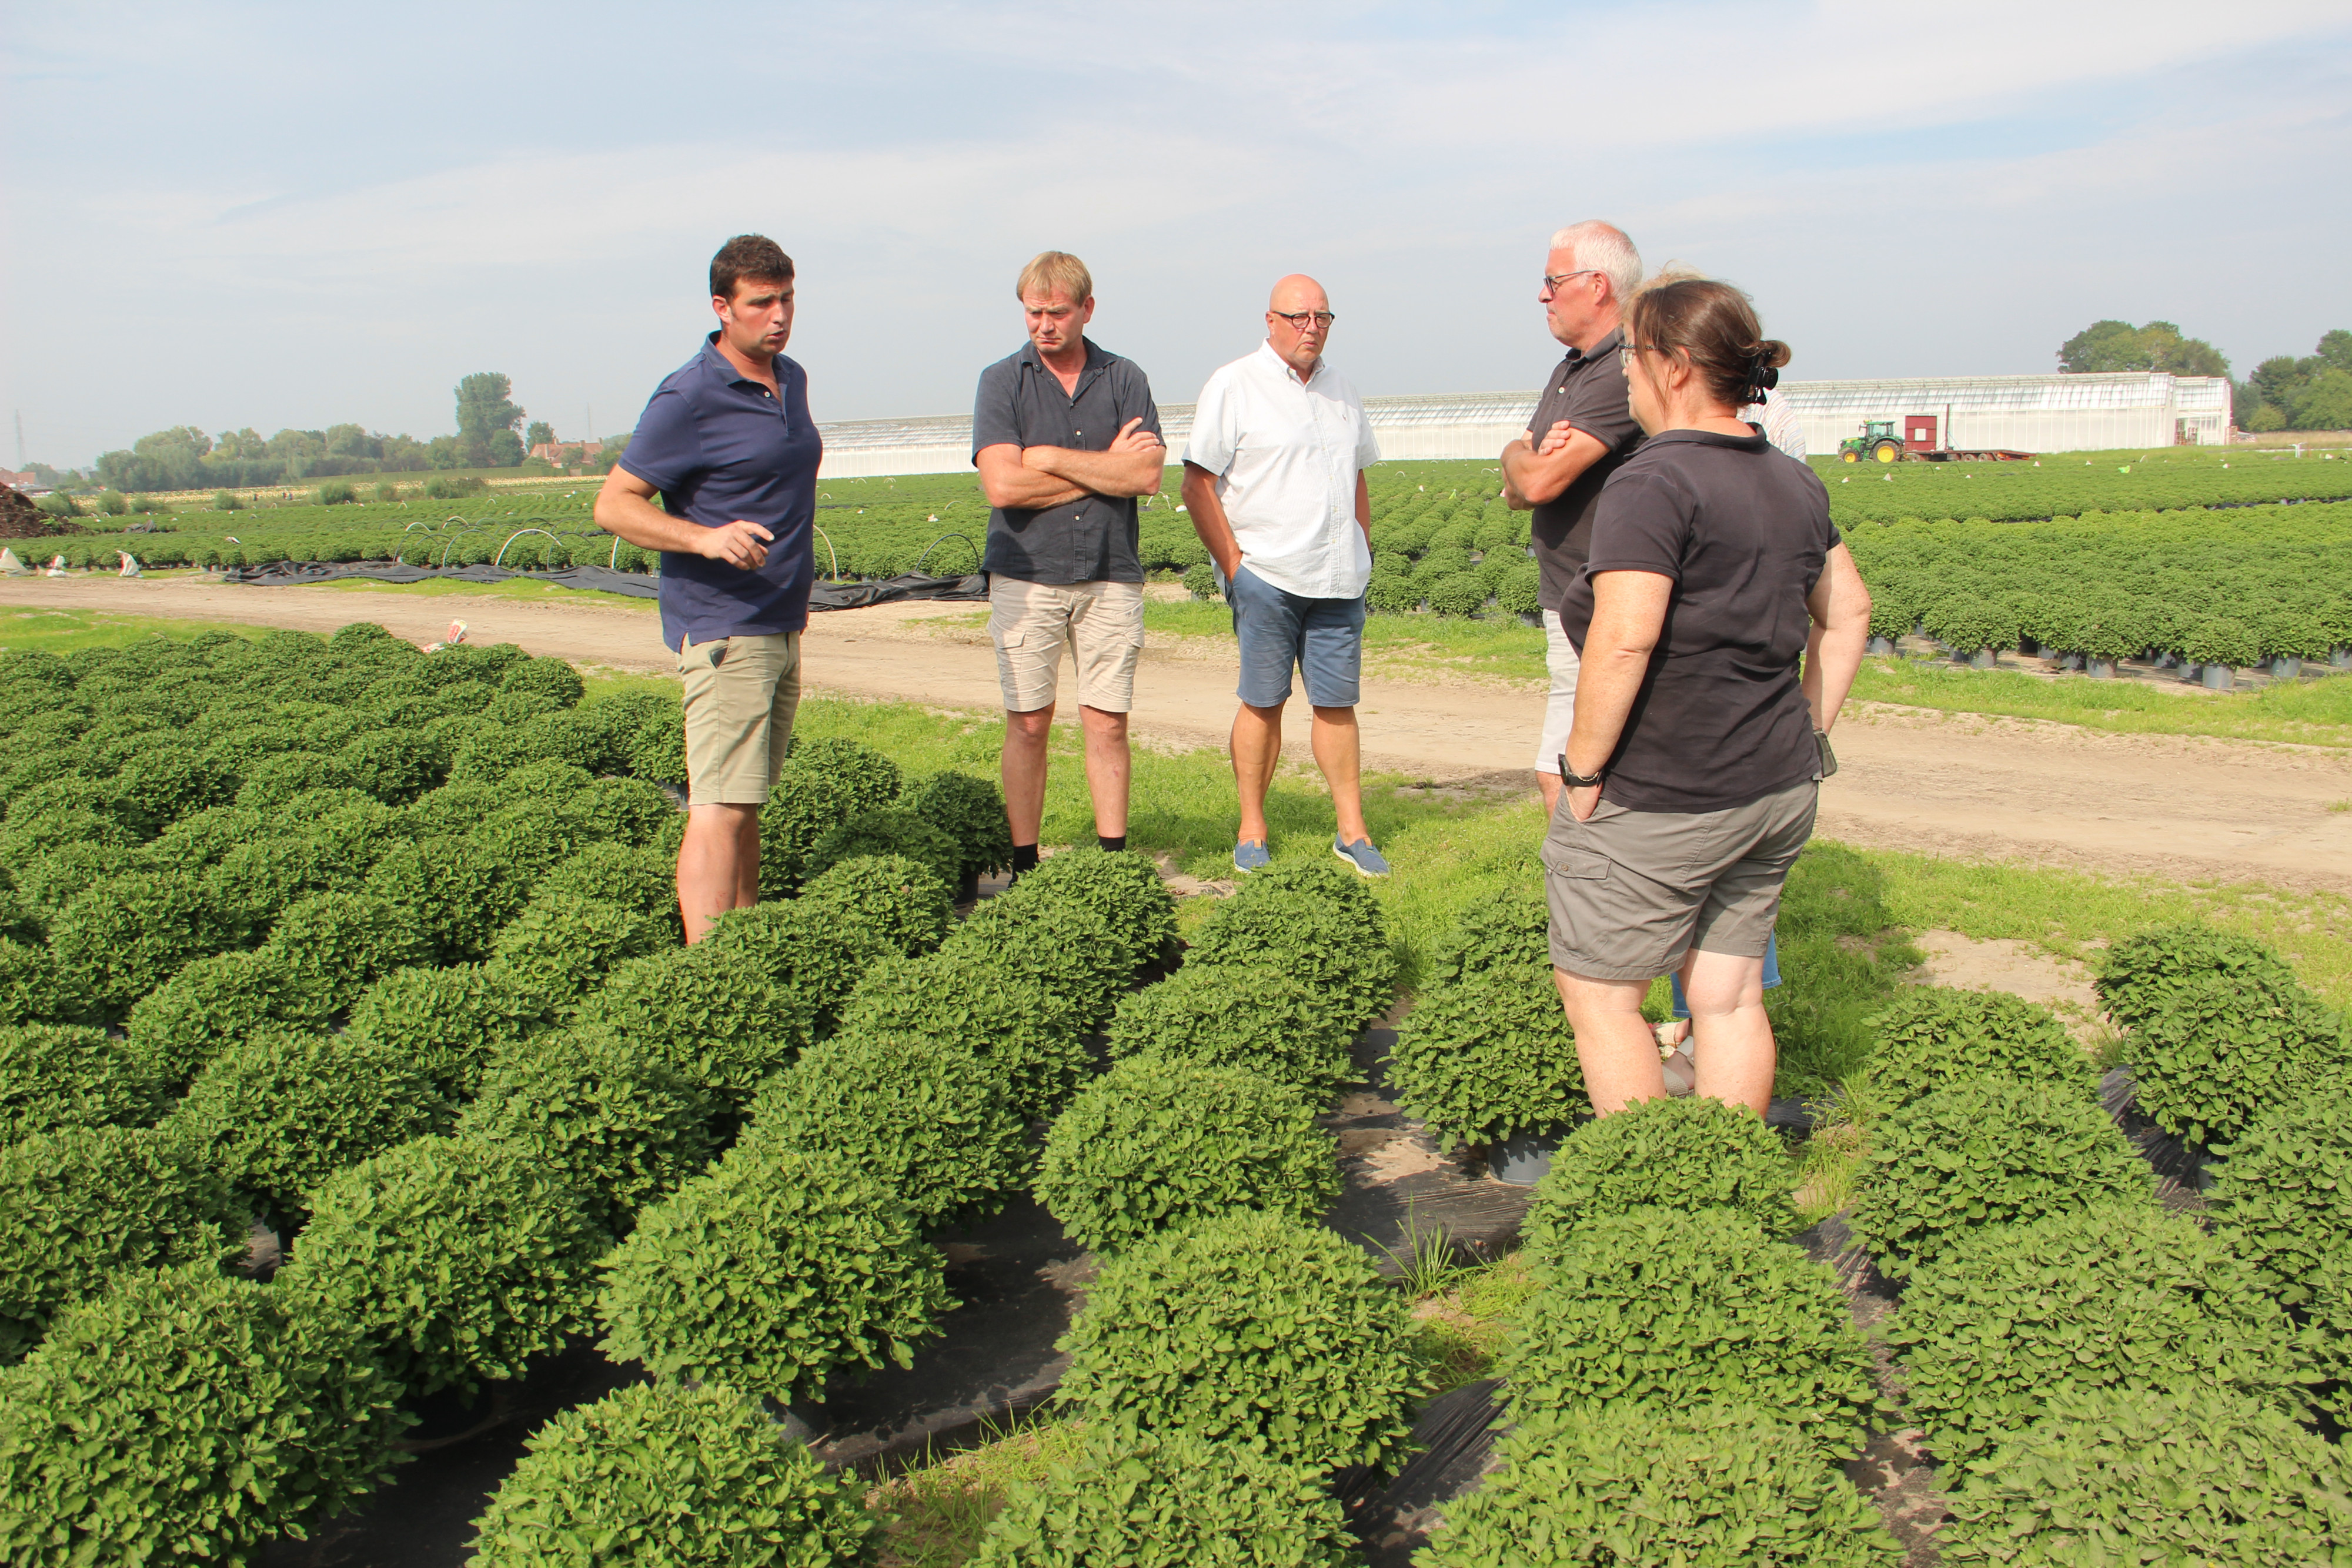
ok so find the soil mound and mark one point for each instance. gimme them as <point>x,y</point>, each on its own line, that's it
<point>20,520</point>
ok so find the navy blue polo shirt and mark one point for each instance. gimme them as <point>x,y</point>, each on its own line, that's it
<point>720,449</point>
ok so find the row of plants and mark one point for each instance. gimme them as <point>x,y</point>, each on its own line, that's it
<point>2056,1321</point>
<point>2092,1370</point>
<point>1232,1353</point>
<point>480,1133</point>
<point>553,1121</point>
<point>2065,485</point>
<point>2231,587</point>
<point>2098,1379</point>
<point>420,1004</point>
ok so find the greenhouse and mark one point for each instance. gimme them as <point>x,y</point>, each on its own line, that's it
<point>1454,425</point>
<point>2023,413</point>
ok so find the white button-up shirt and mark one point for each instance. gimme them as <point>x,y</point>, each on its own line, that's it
<point>1285,453</point>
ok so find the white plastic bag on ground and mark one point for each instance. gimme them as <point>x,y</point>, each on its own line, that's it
<point>129,564</point>
<point>56,565</point>
<point>11,565</point>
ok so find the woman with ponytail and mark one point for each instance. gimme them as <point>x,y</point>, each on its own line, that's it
<point>1702,723</point>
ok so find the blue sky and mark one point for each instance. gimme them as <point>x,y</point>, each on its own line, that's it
<point>273,216</point>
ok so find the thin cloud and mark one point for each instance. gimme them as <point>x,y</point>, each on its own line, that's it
<point>340,238</point>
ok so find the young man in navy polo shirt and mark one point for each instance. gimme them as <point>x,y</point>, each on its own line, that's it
<point>728,444</point>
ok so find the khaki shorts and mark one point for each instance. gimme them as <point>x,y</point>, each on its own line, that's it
<point>1633,892</point>
<point>741,696</point>
<point>1100,622</point>
<point>1559,710</point>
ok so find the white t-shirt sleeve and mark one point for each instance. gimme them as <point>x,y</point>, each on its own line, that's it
<point>1213,440</point>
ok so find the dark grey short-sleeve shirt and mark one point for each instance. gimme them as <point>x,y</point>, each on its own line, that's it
<point>1744,533</point>
<point>1589,392</point>
<point>1021,403</point>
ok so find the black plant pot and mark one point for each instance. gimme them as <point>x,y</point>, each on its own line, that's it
<point>1522,1160</point>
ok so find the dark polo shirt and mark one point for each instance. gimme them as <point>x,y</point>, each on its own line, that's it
<point>1743,533</point>
<point>1589,392</point>
<point>718,448</point>
<point>1021,403</point>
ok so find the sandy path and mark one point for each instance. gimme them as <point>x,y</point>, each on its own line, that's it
<point>1911,779</point>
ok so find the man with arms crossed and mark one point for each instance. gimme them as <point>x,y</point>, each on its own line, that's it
<point>1582,429</point>
<point>1274,479</point>
<point>729,445</point>
<point>1066,438</point>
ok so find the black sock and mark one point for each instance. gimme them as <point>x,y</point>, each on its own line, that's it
<point>1114,845</point>
<point>1025,858</point>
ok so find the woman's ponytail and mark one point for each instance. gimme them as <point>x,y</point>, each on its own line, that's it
<point>1711,327</point>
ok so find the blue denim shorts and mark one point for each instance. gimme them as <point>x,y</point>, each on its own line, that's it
<point>1324,638</point>
<point>1771,976</point>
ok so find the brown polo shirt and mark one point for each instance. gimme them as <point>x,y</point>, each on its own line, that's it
<point>1589,392</point>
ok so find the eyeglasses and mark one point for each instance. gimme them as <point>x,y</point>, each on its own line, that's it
<point>1625,352</point>
<point>1300,319</point>
<point>1551,283</point>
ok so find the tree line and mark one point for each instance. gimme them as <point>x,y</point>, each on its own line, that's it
<point>2283,393</point>
<point>187,458</point>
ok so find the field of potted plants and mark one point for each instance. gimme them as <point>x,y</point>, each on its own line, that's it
<point>350,1064</point>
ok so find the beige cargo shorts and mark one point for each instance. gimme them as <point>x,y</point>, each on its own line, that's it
<point>1101,623</point>
<point>741,696</point>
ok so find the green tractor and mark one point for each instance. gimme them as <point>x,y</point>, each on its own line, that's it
<point>1876,441</point>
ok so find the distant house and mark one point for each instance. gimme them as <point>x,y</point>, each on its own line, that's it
<point>563,454</point>
<point>23,481</point>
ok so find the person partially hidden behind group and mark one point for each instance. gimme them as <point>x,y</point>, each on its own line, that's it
<point>1694,763</point>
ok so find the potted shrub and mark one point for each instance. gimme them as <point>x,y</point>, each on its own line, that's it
<point>2192,1475</point>
<point>1022,1028</point>
<point>1254,1331</point>
<point>2265,1203</point>
<point>926,1119</point>
<point>768,1272</point>
<point>1487,1056</point>
<point>1168,1499</point>
<point>1311,919</point>
<point>1730,1314</point>
<point>1987,1345</point>
<point>903,905</point>
<point>1932,1037</point>
<point>1152,1144</point>
<point>660,1472</point>
<point>613,1117</point>
<point>185,1418</point>
<point>1650,1483</point>
<point>1681,1153</point>
<point>1986,1153</point>
<point>2215,1029</point>
<point>455,1259</point>
<point>1264,1020</point>
<point>2219,647</point>
<point>80,1202</point>
<point>281,1110</point>
<point>723,1024</point>
<point>971,812</point>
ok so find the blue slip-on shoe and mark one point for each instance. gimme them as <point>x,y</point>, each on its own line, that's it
<point>1361,855</point>
<point>1252,854</point>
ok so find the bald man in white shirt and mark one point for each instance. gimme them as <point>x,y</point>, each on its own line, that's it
<point>1274,479</point>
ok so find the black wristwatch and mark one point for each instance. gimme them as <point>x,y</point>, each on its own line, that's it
<point>1576,781</point>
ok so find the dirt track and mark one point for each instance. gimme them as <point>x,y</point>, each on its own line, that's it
<point>1911,779</point>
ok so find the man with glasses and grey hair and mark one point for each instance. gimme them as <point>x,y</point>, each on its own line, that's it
<point>1582,429</point>
<point>1274,479</point>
